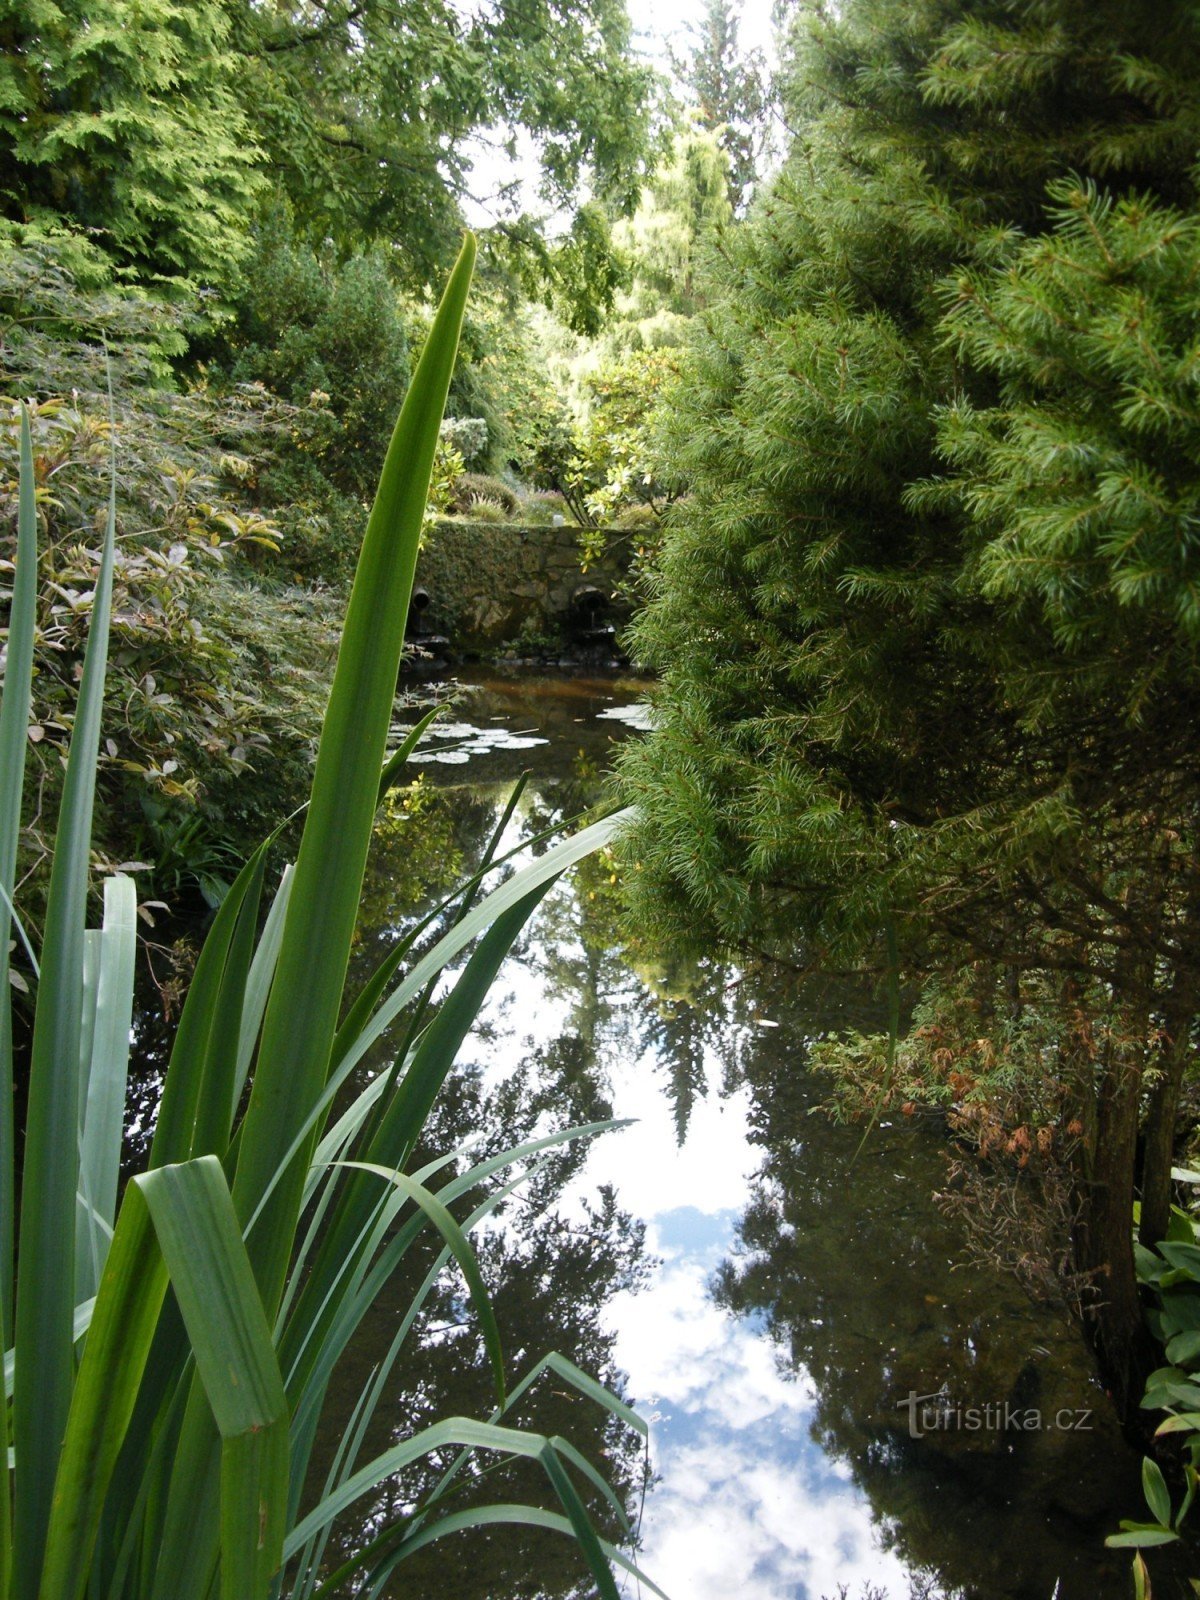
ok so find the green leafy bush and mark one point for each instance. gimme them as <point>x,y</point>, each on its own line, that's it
<point>1171,1274</point>
<point>467,435</point>
<point>330,338</point>
<point>218,672</point>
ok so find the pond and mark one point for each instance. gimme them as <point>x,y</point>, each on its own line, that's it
<point>769,1296</point>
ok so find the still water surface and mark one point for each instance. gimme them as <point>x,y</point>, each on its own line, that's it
<point>765,1299</point>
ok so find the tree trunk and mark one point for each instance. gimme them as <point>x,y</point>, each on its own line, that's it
<point>1104,1242</point>
<point>1159,1152</point>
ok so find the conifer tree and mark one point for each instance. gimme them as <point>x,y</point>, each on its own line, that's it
<point>927,624</point>
<point>683,212</point>
<point>124,122</point>
<point>730,86</point>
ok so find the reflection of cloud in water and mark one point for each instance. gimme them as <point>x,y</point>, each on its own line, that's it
<point>734,1519</point>
<point>748,1503</point>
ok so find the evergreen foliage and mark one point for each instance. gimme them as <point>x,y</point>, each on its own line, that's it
<point>731,88</point>
<point>683,213</point>
<point>927,624</point>
<point>125,122</point>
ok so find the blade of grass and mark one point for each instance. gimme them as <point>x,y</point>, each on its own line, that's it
<point>258,985</point>
<point>45,1300</point>
<point>451,1431</point>
<point>398,760</point>
<point>286,1105</point>
<point>86,1218</point>
<point>566,1371</point>
<point>356,1019</point>
<point>469,892</point>
<point>103,1120</point>
<point>401,1123</point>
<point>313,1554</point>
<point>516,1515</point>
<point>214,1109</point>
<point>585,1533</point>
<point>122,1327</point>
<point>14,722</point>
<point>93,941</point>
<point>175,1131</point>
<point>460,1249</point>
<point>80,1324</point>
<point>365,1286</point>
<point>551,865</point>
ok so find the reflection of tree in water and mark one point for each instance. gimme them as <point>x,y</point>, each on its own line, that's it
<point>689,1013</point>
<point>623,998</point>
<point>852,1267</point>
<point>550,1276</point>
<point>550,1273</point>
<point>426,841</point>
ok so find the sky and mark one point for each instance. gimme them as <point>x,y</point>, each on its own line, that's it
<point>660,27</point>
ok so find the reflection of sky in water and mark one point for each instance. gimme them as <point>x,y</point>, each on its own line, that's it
<point>747,1505</point>
<point>783,1471</point>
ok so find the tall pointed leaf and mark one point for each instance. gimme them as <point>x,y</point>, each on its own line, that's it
<point>258,985</point>
<point>210,1272</point>
<point>401,1126</point>
<point>118,1343</point>
<point>104,1111</point>
<point>175,1133</point>
<point>302,1012</point>
<point>218,1094</point>
<point>45,1302</point>
<point>14,721</point>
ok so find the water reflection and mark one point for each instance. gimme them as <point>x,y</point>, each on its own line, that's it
<point>852,1274</point>
<point>764,1298</point>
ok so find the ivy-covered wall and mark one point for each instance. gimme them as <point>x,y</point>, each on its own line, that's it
<point>487,581</point>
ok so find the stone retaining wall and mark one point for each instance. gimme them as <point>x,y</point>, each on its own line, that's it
<point>488,581</point>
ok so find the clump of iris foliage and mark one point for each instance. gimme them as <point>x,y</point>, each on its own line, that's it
<point>169,1349</point>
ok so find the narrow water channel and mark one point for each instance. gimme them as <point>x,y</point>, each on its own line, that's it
<point>764,1296</point>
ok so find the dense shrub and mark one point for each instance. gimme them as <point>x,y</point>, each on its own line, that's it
<point>217,674</point>
<point>467,435</point>
<point>331,339</point>
<point>474,489</point>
